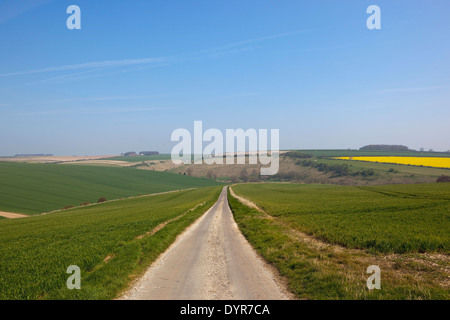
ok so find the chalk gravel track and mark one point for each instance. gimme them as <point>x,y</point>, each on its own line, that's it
<point>210,260</point>
<point>11,215</point>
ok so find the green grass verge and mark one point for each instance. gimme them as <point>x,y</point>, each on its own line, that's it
<point>36,188</point>
<point>36,251</point>
<point>396,218</point>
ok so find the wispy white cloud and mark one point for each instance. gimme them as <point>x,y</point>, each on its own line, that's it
<point>126,109</point>
<point>222,50</point>
<point>95,73</point>
<point>88,65</point>
<point>253,40</point>
<point>412,89</point>
<point>10,9</point>
<point>73,76</point>
<point>107,98</point>
<point>66,77</point>
<point>234,47</point>
<point>91,69</point>
<point>39,113</point>
<point>303,50</point>
<point>88,111</point>
<point>227,53</point>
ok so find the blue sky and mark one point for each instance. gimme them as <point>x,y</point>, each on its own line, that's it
<point>137,70</point>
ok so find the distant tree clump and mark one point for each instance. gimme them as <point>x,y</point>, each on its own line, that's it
<point>86,203</point>
<point>244,175</point>
<point>130,154</point>
<point>364,173</point>
<point>288,175</point>
<point>211,175</point>
<point>254,176</point>
<point>298,155</point>
<point>102,199</point>
<point>443,178</point>
<point>189,171</point>
<point>336,170</point>
<point>304,163</point>
<point>384,147</point>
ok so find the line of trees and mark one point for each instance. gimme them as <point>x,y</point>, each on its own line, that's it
<point>385,147</point>
<point>298,155</point>
<point>336,170</point>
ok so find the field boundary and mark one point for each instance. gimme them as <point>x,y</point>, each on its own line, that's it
<point>11,215</point>
<point>108,201</point>
<point>162,225</point>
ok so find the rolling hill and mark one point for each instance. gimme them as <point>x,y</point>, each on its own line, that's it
<point>36,188</point>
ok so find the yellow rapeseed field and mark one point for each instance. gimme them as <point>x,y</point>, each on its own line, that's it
<point>414,161</point>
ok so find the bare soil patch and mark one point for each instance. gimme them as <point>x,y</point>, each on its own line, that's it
<point>11,215</point>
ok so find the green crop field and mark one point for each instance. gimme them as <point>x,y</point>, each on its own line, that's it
<point>36,251</point>
<point>36,188</point>
<point>397,218</point>
<point>141,158</point>
<point>322,238</point>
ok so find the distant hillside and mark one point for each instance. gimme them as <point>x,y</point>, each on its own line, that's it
<point>385,147</point>
<point>141,158</point>
<point>33,155</point>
